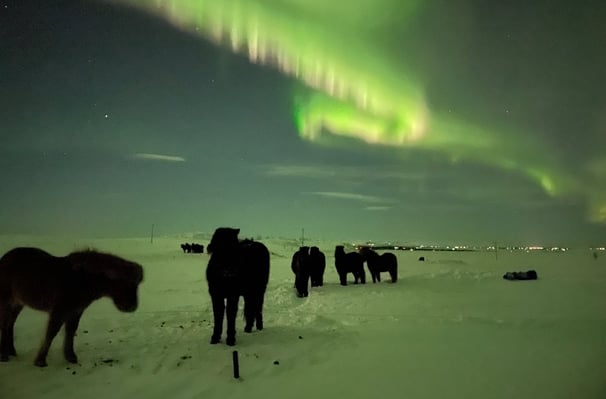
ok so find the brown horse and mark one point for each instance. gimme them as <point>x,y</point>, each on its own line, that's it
<point>64,287</point>
<point>350,262</point>
<point>236,268</point>
<point>377,264</point>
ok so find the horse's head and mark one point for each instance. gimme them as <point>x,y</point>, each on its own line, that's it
<point>339,250</point>
<point>224,238</point>
<point>117,277</point>
<point>124,292</point>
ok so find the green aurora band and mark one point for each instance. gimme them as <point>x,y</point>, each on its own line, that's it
<point>375,97</point>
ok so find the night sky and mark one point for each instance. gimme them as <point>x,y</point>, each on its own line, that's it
<point>459,122</point>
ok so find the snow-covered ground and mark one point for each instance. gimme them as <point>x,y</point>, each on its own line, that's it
<point>451,327</point>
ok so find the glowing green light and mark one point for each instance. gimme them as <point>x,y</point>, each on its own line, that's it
<point>355,87</point>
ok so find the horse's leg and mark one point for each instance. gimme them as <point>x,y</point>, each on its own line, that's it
<point>71,325</point>
<point>232,311</point>
<point>357,276</point>
<point>373,273</point>
<point>55,321</point>
<point>314,277</point>
<point>394,273</point>
<point>4,335</point>
<point>249,312</point>
<point>12,318</point>
<point>305,284</point>
<point>259,316</point>
<point>218,312</point>
<point>343,277</point>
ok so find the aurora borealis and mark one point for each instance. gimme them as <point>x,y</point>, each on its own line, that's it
<point>453,113</point>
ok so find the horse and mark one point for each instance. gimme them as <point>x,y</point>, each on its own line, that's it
<point>377,264</point>
<point>317,265</point>
<point>236,268</point>
<point>63,287</point>
<point>349,263</point>
<point>300,266</point>
<point>197,248</point>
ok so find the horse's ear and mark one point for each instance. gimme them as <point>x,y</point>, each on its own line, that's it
<point>237,231</point>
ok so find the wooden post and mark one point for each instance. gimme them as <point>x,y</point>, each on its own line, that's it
<point>236,364</point>
<point>152,235</point>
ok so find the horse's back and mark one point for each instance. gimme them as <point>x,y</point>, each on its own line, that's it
<point>389,259</point>
<point>25,261</point>
<point>33,277</point>
<point>255,257</point>
<point>354,259</point>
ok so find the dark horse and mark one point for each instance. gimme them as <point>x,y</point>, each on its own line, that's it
<point>64,287</point>
<point>300,266</point>
<point>317,265</point>
<point>377,264</point>
<point>236,268</point>
<point>349,263</point>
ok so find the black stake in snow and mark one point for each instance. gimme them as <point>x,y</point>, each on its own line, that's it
<point>236,364</point>
<point>152,235</point>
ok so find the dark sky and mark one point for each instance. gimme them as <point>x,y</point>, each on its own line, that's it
<point>425,122</point>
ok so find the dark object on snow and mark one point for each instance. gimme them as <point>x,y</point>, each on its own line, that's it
<point>349,263</point>
<point>595,255</point>
<point>376,263</point>
<point>236,268</point>
<point>197,248</point>
<point>421,259</point>
<point>300,267</point>
<point>192,248</point>
<point>529,275</point>
<point>64,287</point>
<point>236,364</point>
<point>317,265</point>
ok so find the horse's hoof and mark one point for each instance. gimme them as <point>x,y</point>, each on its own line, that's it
<point>215,340</point>
<point>72,358</point>
<point>230,341</point>
<point>248,329</point>
<point>3,358</point>
<point>40,363</point>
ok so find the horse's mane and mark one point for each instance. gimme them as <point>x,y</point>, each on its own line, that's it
<point>368,253</point>
<point>105,264</point>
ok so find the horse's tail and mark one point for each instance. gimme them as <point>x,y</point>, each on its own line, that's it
<point>393,270</point>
